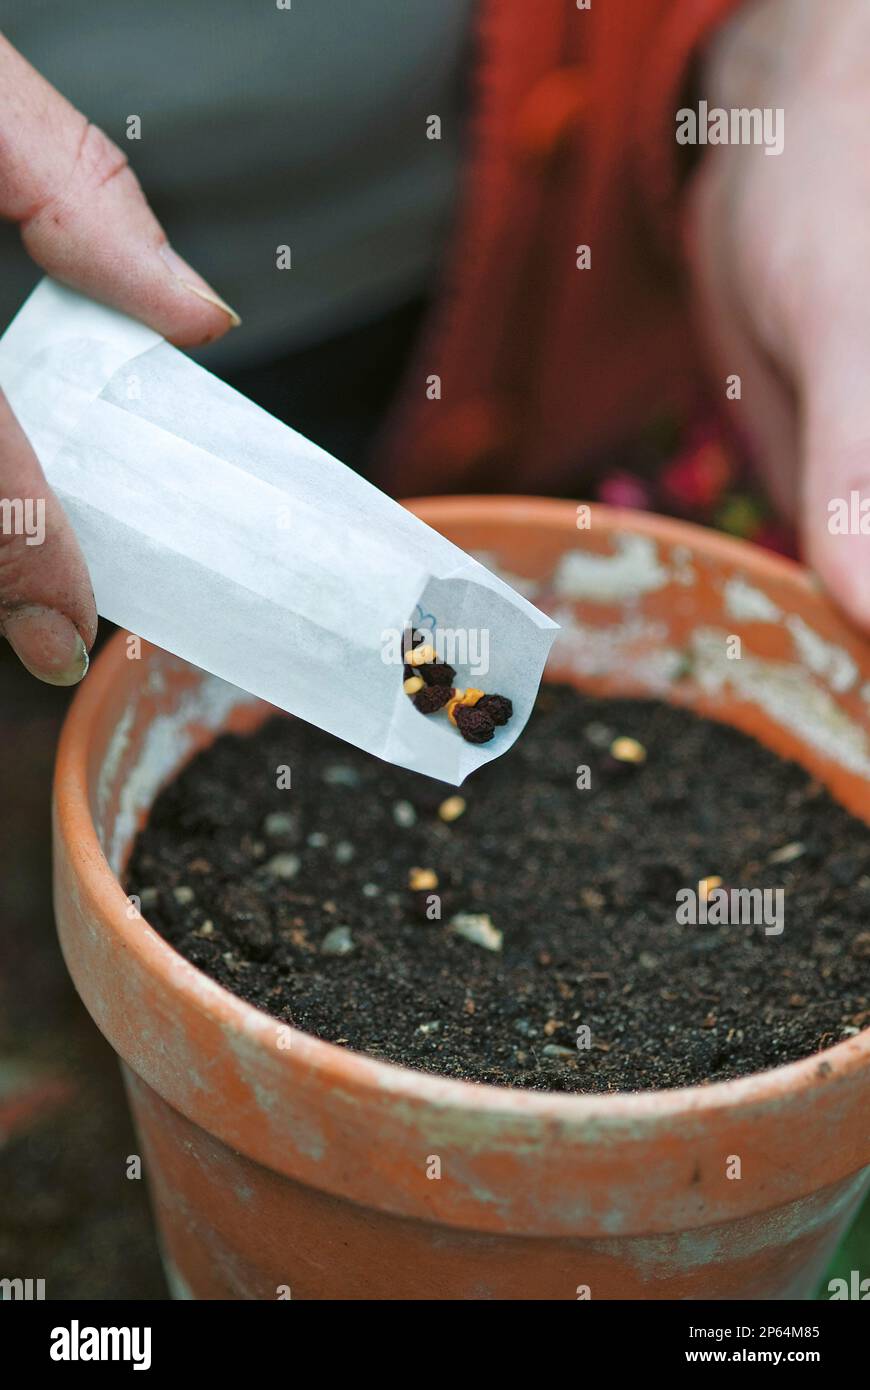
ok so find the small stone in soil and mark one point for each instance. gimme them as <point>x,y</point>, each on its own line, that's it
<point>787,854</point>
<point>451,808</point>
<point>338,942</point>
<point>337,775</point>
<point>278,824</point>
<point>283,865</point>
<point>404,814</point>
<point>477,928</point>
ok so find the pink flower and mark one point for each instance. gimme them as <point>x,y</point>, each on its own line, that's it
<point>695,480</point>
<point>624,490</point>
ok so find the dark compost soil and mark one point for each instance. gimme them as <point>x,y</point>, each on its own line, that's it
<point>298,901</point>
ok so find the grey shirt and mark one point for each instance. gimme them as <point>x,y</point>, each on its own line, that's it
<point>264,128</point>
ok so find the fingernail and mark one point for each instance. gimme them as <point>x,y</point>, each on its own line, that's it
<point>195,283</point>
<point>47,644</point>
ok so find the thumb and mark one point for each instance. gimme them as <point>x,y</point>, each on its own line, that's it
<point>47,611</point>
<point>836,454</point>
<point>83,216</point>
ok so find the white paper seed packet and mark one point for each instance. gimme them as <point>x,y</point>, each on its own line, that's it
<point>223,536</point>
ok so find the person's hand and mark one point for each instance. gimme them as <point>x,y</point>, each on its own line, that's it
<point>779,248</point>
<point>83,218</point>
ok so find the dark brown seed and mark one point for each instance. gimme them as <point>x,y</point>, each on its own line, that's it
<point>474,724</point>
<point>432,698</point>
<point>498,707</point>
<point>436,673</point>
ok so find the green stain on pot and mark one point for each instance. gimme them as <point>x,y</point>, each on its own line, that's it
<point>458,1172</point>
<point>293,1129</point>
<point>743,1239</point>
<point>612,1220</point>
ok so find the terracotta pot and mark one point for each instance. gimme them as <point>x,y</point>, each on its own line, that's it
<point>309,1168</point>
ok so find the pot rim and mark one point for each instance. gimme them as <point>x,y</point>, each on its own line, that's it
<point>367,1075</point>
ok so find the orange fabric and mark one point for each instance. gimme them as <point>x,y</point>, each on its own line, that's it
<point>571,142</point>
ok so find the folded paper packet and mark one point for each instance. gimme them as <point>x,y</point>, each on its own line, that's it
<point>223,536</point>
